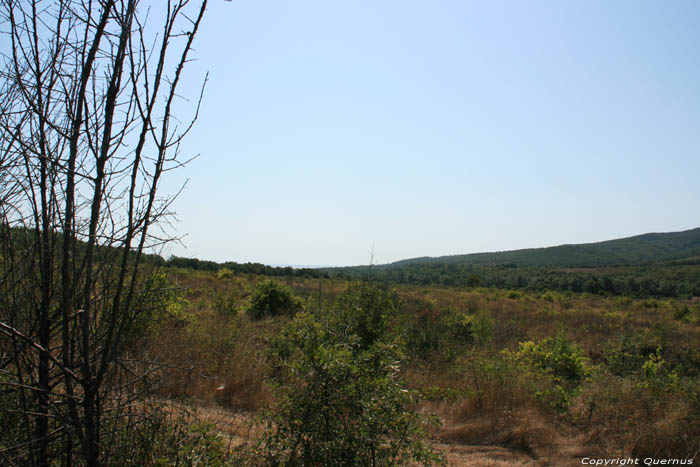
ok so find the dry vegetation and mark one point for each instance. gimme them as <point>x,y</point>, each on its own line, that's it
<point>639,395</point>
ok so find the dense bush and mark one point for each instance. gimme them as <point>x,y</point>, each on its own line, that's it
<point>163,302</point>
<point>167,436</point>
<point>272,299</point>
<point>625,355</point>
<point>448,333</point>
<point>557,356</point>
<point>363,311</point>
<point>341,400</point>
<point>557,368</point>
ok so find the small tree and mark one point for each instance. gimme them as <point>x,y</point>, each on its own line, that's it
<point>341,399</point>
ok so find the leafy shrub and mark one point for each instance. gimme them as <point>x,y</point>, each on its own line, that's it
<point>557,356</point>
<point>447,334</point>
<point>364,311</point>
<point>462,328</point>
<point>161,301</point>
<point>482,327</point>
<point>160,440</point>
<point>272,299</point>
<point>423,332</point>
<point>493,387</point>
<point>340,398</point>
<point>622,415</point>
<point>656,374</point>
<point>683,313</point>
<point>626,354</point>
<point>225,304</point>
<point>548,296</point>
<point>224,273</point>
<point>458,326</point>
<point>557,368</point>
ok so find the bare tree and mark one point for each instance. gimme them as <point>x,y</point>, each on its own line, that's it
<point>87,94</point>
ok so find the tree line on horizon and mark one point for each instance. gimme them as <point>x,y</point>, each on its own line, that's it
<point>659,281</point>
<point>243,268</point>
<point>677,281</point>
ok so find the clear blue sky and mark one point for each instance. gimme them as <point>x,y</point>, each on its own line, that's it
<point>421,128</point>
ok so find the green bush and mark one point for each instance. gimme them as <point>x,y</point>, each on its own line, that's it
<point>656,374</point>
<point>225,304</point>
<point>272,299</point>
<point>625,355</point>
<point>423,331</point>
<point>364,311</point>
<point>161,301</point>
<point>447,334</point>
<point>557,368</point>
<point>341,400</point>
<point>157,440</point>
<point>682,313</point>
<point>224,273</point>
<point>557,356</point>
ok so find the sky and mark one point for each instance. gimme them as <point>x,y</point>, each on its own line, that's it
<point>335,133</point>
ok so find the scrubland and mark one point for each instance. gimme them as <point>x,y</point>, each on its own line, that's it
<point>493,377</point>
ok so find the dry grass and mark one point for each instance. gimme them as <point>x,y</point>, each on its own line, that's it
<point>242,385</point>
<point>238,428</point>
<point>218,363</point>
<point>483,456</point>
<point>626,419</point>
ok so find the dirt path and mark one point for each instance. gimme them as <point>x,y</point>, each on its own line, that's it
<point>486,456</point>
<point>557,450</point>
<point>498,456</point>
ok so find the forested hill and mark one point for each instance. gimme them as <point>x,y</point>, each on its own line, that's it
<point>651,248</point>
<point>649,265</point>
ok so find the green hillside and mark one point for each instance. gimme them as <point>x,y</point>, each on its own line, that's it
<point>641,249</point>
<point>649,265</point>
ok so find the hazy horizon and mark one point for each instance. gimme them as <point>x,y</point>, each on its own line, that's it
<point>331,133</point>
<point>372,262</point>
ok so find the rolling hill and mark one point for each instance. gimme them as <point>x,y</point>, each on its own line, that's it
<point>650,248</point>
<point>648,265</point>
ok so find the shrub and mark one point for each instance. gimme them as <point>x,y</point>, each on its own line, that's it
<point>549,296</point>
<point>164,301</point>
<point>564,360</point>
<point>682,313</point>
<point>447,334</point>
<point>482,327</point>
<point>224,273</point>
<point>656,375</point>
<point>364,311</point>
<point>626,354</point>
<point>421,327</point>
<point>557,368</point>
<point>649,415</point>
<point>458,327</point>
<point>160,440</point>
<point>340,397</point>
<point>225,304</point>
<point>272,299</point>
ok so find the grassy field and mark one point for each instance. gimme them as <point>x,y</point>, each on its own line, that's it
<point>512,377</point>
